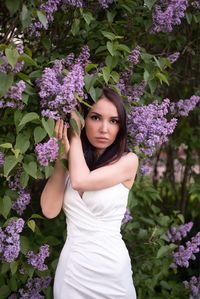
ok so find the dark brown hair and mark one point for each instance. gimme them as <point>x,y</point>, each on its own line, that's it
<point>115,151</point>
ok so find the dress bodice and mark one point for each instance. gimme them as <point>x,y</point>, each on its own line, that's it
<point>99,210</point>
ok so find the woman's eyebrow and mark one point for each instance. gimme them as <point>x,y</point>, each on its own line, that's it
<point>98,114</point>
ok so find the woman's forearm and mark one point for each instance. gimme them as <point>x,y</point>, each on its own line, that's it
<point>53,193</point>
<point>78,168</point>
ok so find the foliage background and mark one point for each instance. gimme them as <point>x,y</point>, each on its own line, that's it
<point>156,202</point>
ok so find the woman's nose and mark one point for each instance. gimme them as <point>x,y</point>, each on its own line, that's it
<point>104,127</point>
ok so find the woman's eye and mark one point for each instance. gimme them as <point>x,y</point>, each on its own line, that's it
<point>95,117</point>
<point>114,121</point>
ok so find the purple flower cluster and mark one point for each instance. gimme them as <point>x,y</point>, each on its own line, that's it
<point>182,256</point>
<point>10,240</point>
<point>33,288</point>
<point>37,260</point>
<point>196,4</point>
<point>58,92</point>
<point>13,98</point>
<point>23,200</point>
<point>148,127</point>
<point>49,7</point>
<point>2,158</point>
<point>105,3</point>
<point>75,3</point>
<point>168,13</point>
<point>183,107</point>
<point>134,56</point>
<point>6,67</point>
<point>133,93</point>
<point>173,57</point>
<point>24,197</point>
<point>127,217</point>
<point>193,286</point>
<point>177,233</point>
<point>47,152</point>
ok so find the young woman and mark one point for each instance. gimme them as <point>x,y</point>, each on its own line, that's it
<point>94,262</point>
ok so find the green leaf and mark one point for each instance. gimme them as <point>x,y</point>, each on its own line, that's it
<point>48,126</point>
<point>111,36</point>
<point>28,59</point>
<point>115,76</point>
<point>111,61</point>
<point>4,291</point>
<point>16,152</point>
<point>25,244</point>
<point>6,81</point>
<point>14,266</point>
<point>31,225</point>
<point>124,48</point>
<point>25,16</point>
<point>12,6</point>
<point>6,145</point>
<point>106,74</point>
<point>110,47</point>
<point>31,169</point>
<point>90,66</point>
<point>24,178</point>
<point>12,56</point>
<point>39,134</point>
<point>162,251</point>
<point>37,216</point>
<point>81,118</point>
<point>5,206</point>
<point>28,118</point>
<point>42,18</point>
<point>74,125</point>
<point>149,3</point>
<point>10,163</point>
<point>88,17</point>
<point>162,77</point>
<point>22,143</point>
<point>75,27</point>
<point>35,74</point>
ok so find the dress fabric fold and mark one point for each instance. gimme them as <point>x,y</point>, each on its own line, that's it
<point>94,262</point>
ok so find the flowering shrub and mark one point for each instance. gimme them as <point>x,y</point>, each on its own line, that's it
<point>55,55</point>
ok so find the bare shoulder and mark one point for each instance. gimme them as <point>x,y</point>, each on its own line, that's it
<point>131,159</point>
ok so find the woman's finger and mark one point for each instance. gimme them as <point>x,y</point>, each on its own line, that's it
<point>56,129</point>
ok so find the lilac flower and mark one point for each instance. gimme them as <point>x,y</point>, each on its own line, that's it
<point>196,4</point>
<point>33,288</point>
<point>134,56</point>
<point>182,256</point>
<point>183,107</point>
<point>127,217</point>
<point>37,260</point>
<point>2,159</point>
<point>47,152</point>
<point>6,67</point>
<point>75,3</point>
<point>14,181</point>
<point>10,241</point>
<point>12,296</point>
<point>57,91</point>
<point>21,202</point>
<point>105,3</point>
<point>148,127</point>
<point>194,287</point>
<point>13,98</point>
<point>167,14</point>
<point>173,57</point>
<point>177,233</point>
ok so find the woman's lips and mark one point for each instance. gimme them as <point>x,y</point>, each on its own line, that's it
<point>102,139</point>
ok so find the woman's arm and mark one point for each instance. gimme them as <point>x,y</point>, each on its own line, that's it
<point>83,179</point>
<point>53,193</point>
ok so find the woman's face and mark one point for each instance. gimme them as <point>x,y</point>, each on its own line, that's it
<point>102,124</point>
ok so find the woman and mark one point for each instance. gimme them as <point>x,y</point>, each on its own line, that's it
<point>94,262</point>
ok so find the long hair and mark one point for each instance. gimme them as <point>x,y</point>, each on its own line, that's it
<point>115,151</point>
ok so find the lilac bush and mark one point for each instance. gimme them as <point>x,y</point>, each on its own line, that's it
<point>33,288</point>
<point>193,285</point>
<point>127,217</point>
<point>10,240</point>
<point>47,152</point>
<point>2,158</point>
<point>13,98</point>
<point>177,233</point>
<point>183,107</point>
<point>37,260</point>
<point>167,14</point>
<point>22,201</point>
<point>148,126</point>
<point>5,67</point>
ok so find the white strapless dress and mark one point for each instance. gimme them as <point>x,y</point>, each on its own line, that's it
<point>94,262</point>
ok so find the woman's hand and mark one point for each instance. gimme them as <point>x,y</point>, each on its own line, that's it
<point>61,134</point>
